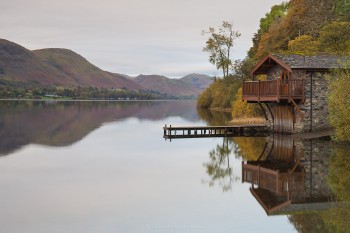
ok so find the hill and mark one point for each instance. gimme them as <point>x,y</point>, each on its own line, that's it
<point>53,67</point>
<point>163,84</point>
<point>199,81</point>
<point>56,67</point>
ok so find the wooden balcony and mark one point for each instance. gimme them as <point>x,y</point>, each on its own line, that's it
<point>273,90</point>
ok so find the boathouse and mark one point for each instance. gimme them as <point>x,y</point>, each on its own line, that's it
<point>294,94</point>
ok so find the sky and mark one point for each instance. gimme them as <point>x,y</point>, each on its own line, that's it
<point>132,37</point>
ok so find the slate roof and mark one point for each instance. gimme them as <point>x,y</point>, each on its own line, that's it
<point>320,61</point>
<point>295,61</point>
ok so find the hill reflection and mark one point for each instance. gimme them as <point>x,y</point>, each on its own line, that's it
<point>64,123</point>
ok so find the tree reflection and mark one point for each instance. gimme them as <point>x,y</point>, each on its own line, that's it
<point>335,219</point>
<point>308,223</point>
<point>219,168</point>
<point>339,172</point>
<point>249,148</point>
<point>214,118</point>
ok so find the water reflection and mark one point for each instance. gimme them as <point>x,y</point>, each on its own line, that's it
<point>131,182</point>
<point>308,180</point>
<point>214,118</point>
<point>64,123</point>
<point>289,177</point>
<point>218,168</point>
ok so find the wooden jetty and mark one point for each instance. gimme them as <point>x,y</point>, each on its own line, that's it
<point>171,132</point>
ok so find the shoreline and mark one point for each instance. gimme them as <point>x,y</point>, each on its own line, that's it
<point>93,100</point>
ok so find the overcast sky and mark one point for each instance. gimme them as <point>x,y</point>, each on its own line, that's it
<point>132,36</point>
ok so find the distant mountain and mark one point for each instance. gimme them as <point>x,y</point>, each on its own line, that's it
<point>125,76</point>
<point>199,81</point>
<point>163,84</point>
<point>57,67</point>
<point>65,68</point>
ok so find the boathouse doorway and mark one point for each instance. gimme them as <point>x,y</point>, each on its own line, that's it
<point>283,119</point>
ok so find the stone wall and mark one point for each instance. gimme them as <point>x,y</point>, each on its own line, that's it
<point>313,116</point>
<point>275,72</point>
<point>315,158</point>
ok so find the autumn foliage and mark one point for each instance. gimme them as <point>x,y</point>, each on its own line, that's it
<point>339,103</point>
<point>305,27</point>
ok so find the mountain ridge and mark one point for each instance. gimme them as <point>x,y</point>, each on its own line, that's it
<point>65,68</point>
<point>163,84</point>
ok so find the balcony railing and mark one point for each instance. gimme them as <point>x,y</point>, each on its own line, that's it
<point>273,90</point>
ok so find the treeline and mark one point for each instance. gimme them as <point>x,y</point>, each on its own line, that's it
<point>302,27</point>
<point>34,90</point>
<point>226,94</point>
<point>220,93</point>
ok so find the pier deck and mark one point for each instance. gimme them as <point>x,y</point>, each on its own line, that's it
<point>171,132</point>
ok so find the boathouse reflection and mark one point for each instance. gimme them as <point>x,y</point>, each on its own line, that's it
<point>289,175</point>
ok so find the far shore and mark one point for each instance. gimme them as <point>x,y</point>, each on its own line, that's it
<point>94,100</point>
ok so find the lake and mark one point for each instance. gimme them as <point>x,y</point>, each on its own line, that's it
<point>105,167</point>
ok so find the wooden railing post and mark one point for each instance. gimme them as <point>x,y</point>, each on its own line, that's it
<point>278,89</point>
<point>259,91</point>
<point>274,90</point>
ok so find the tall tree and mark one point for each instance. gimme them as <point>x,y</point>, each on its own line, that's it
<point>342,9</point>
<point>339,102</point>
<point>219,45</point>
<point>304,45</point>
<point>335,38</point>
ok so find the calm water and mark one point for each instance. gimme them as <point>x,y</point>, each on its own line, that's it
<point>104,167</point>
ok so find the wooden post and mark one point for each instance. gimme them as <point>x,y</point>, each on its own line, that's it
<point>303,90</point>
<point>289,87</point>
<point>259,91</point>
<point>243,178</point>
<point>277,179</point>
<point>278,89</point>
<point>289,187</point>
